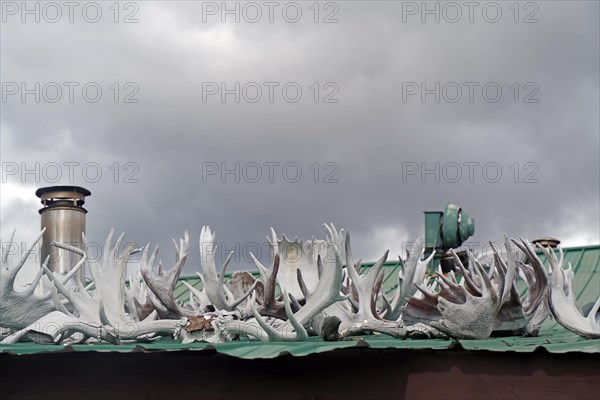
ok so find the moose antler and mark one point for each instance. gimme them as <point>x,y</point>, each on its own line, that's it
<point>529,311</point>
<point>163,283</point>
<point>137,294</point>
<point>270,306</point>
<point>366,318</point>
<point>214,284</point>
<point>302,271</point>
<point>104,311</point>
<point>411,271</point>
<point>20,309</point>
<point>326,293</point>
<point>562,300</point>
<point>467,311</point>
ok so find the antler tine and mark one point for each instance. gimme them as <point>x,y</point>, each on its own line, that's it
<point>117,246</point>
<point>75,250</point>
<point>352,272</point>
<point>302,284</point>
<point>11,241</point>
<point>451,283</point>
<point>108,243</point>
<point>376,292</point>
<point>298,327</point>
<point>270,332</point>
<point>591,317</point>
<point>329,234</point>
<point>475,290</point>
<point>31,289</point>
<point>176,248</point>
<point>26,255</point>
<point>502,271</point>
<point>224,268</point>
<point>161,283</point>
<point>264,273</point>
<point>511,273</point>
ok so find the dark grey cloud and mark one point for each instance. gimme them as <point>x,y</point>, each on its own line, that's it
<point>369,135</point>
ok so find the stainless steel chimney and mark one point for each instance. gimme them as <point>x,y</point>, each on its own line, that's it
<point>63,216</point>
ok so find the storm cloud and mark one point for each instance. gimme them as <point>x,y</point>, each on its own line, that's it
<point>363,114</point>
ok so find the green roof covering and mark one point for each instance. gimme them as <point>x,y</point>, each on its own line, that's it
<point>553,337</point>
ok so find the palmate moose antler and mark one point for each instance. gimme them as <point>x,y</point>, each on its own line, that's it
<point>524,314</point>
<point>20,309</point>
<point>562,300</point>
<point>469,311</point>
<point>301,269</point>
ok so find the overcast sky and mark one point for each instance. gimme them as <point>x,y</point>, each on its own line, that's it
<point>500,103</point>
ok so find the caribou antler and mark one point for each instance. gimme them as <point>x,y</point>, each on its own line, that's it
<point>20,309</point>
<point>562,300</point>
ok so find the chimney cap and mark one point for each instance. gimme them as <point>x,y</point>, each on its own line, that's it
<point>64,189</point>
<point>62,196</point>
<point>547,241</point>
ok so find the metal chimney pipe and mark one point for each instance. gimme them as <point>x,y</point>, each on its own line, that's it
<point>63,216</point>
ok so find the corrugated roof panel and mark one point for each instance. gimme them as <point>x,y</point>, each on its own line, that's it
<point>561,342</point>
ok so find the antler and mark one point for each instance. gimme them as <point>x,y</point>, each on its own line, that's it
<point>293,257</point>
<point>269,306</point>
<point>411,271</point>
<point>534,302</point>
<point>137,294</point>
<point>562,300</point>
<point>20,309</point>
<point>163,283</point>
<point>214,284</point>
<point>467,312</point>
<point>367,287</point>
<point>104,311</point>
<point>326,293</point>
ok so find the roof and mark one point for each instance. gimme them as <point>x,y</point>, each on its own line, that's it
<point>553,338</point>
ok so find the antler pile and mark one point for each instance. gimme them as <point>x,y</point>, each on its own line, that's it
<point>307,291</point>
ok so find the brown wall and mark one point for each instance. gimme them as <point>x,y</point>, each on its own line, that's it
<point>342,374</point>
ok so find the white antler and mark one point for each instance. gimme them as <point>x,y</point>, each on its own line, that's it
<point>469,311</point>
<point>214,283</point>
<point>411,271</point>
<point>562,300</point>
<point>163,283</point>
<point>103,312</point>
<point>326,293</point>
<point>20,309</point>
